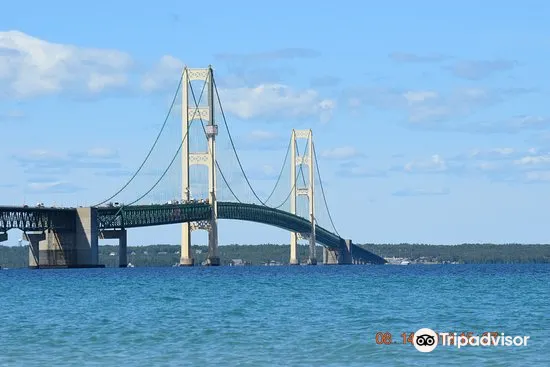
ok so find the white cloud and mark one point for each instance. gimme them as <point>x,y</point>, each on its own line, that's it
<point>30,66</point>
<point>505,164</point>
<point>479,69</point>
<point>429,105</point>
<point>102,152</point>
<point>41,161</point>
<point>263,172</point>
<point>528,122</point>
<point>354,102</point>
<point>344,152</point>
<point>419,96</point>
<point>12,115</point>
<point>421,192</point>
<point>42,154</point>
<point>426,113</point>
<point>167,72</point>
<point>433,109</point>
<point>285,53</point>
<point>98,82</point>
<point>276,101</point>
<point>262,101</point>
<point>434,164</point>
<point>354,170</point>
<point>533,160</point>
<point>407,57</point>
<point>537,176</point>
<point>262,140</point>
<point>42,186</point>
<point>268,169</point>
<point>487,166</point>
<point>261,135</point>
<point>46,186</point>
<point>495,153</point>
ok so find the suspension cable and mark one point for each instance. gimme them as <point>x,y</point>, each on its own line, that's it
<point>241,166</point>
<point>227,183</point>
<point>162,176</point>
<point>177,152</point>
<point>167,168</point>
<point>154,185</point>
<point>323,192</point>
<point>152,147</point>
<point>208,146</point>
<point>233,145</point>
<point>280,172</point>
<point>295,178</point>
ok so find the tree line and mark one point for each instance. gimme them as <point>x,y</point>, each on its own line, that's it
<point>168,255</point>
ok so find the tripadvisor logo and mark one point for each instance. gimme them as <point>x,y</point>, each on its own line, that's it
<point>425,340</point>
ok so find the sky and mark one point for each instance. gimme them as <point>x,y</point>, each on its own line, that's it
<point>431,118</point>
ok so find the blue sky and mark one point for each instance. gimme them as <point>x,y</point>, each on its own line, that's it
<point>431,118</point>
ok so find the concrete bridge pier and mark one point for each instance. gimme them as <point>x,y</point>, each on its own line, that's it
<point>70,242</point>
<point>186,258</point>
<point>86,238</point>
<point>346,253</point>
<point>338,256</point>
<point>34,239</point>
<point>330,256</point>
<point>294,249</point>
<point>122,237</point>
<point>56,249</point>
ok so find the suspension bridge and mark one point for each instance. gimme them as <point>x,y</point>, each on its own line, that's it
<point>204,181</point>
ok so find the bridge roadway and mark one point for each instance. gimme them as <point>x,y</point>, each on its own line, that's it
<point>40,219</point>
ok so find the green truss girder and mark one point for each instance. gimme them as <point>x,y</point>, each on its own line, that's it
<point>39,219</point>
<point>151,215</point>
<point>36,218</point>
<point>277,218</point>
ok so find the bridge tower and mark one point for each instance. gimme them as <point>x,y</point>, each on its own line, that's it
<point>308,191</point>
<point>208,158</point>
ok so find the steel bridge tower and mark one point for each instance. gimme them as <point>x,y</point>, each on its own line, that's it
<point>208,158</point>
<point>308,191</point>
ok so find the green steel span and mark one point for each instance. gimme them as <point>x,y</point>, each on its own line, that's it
<point>150,215</point>
<point>41,219</point>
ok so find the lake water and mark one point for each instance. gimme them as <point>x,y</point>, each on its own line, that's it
<point>270,316</point>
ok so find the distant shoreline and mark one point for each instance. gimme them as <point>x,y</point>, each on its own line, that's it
<point>273,254</point>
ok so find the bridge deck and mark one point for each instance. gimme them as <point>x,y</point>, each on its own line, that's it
<point>150,215</point>
<point>40,219</point>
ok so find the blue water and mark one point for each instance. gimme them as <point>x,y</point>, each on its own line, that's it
<point>269,316</point>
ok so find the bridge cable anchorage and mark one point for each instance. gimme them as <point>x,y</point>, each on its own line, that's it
<point>208,146</point>
<point>323,192</point>
<point>152,147</point>
<point>233,147</point>
<point>167,168</point>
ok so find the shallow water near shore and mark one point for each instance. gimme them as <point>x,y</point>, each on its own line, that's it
<point>266,316</point>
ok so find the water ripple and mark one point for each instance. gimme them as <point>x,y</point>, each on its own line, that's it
<point>269,316</point>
